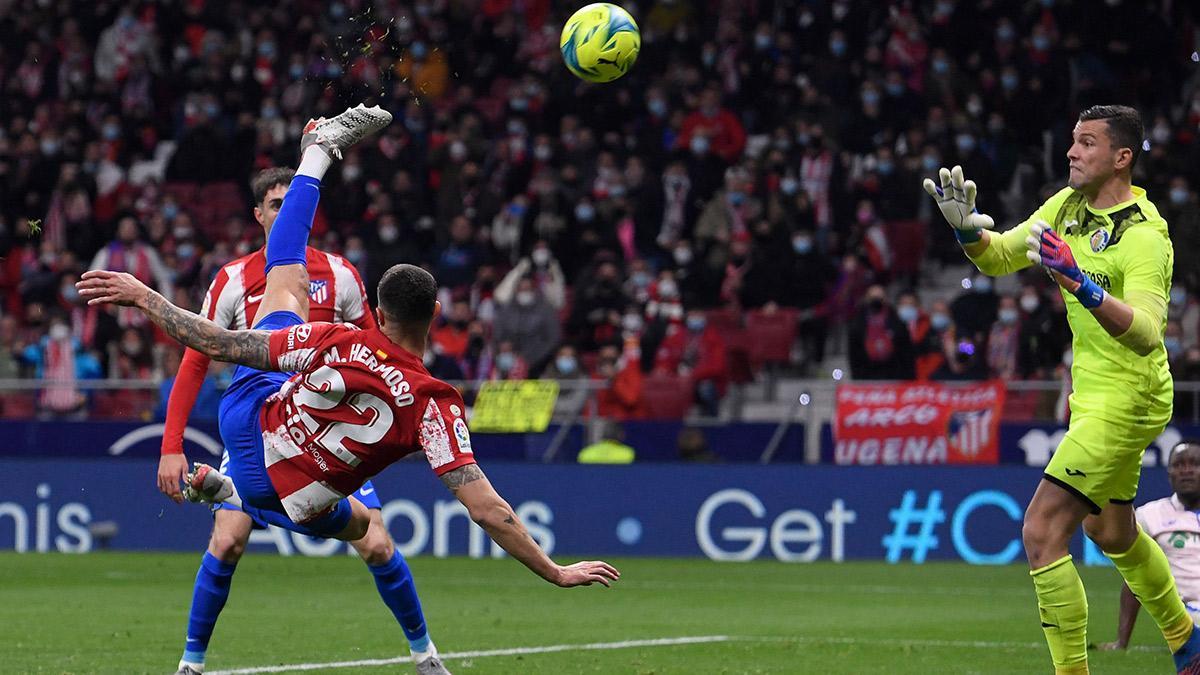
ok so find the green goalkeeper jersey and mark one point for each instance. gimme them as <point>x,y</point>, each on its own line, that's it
<point>1127,251</point>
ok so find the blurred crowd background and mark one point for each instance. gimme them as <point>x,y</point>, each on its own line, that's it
<point>747,198</point>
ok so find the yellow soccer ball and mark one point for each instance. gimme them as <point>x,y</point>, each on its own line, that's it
<point>600,42</point>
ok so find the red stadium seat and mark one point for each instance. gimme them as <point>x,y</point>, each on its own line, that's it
<point>771,335</point>
<point>667,397</point>
<point>17,405</point>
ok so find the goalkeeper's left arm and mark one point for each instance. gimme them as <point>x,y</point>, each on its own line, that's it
<point>995,254</point>
<point>1137,321</point>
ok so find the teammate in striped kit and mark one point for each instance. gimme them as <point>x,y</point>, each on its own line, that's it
<point>336,294</point>
<point>299,442</point>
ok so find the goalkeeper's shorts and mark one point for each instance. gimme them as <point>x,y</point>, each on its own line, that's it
<point>1100,460</point>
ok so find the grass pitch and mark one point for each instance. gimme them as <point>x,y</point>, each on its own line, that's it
<point>126,613</point>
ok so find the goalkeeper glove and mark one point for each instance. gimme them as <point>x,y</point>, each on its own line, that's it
<point>1047,248</point>
<point>956,199</point>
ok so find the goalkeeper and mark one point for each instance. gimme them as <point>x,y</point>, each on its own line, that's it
<point>1106,246</point>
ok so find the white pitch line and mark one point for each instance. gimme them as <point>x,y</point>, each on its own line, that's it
<point>515,651</point>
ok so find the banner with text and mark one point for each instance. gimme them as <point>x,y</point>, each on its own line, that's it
<point>787,512</point>
<point>918,423</point>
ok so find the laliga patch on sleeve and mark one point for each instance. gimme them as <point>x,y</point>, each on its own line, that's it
<point>462,436</point>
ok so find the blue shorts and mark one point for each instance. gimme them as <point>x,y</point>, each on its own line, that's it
<point>366,495</point>
<point>241,432</point>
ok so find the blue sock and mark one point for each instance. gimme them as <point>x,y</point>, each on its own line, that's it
<point>289,234</point>
<point>399,593</point>
<point>212,589</point>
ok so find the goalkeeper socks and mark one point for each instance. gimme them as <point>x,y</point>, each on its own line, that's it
<point>1148,575</point>
<point>1062,605</point>
<point>289,235</point>
<point>399,593</point>
<point>212,589</point>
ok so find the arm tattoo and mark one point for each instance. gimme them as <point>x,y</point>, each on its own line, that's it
<point>461,476</point>
<point>245,347</point>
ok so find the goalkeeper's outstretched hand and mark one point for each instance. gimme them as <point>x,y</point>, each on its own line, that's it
<point>955,198</point>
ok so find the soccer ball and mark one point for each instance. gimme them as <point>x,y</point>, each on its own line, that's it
<point>600,42</point>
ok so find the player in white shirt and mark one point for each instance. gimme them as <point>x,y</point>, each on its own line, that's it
<point>1174,523</point>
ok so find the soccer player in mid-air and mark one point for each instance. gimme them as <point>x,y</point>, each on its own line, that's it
<point>315,410</point>
<point>1105,244</point>
<point>336,294</point>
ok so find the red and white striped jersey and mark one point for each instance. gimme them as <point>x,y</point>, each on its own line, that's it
<point>336,293</point>
<point>358,403</point>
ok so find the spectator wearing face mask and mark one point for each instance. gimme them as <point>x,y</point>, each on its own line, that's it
<point>565,368</point>
<point>932,348</point>
<point>451,337</point>
<point>1182,212</point>
<point>543,270</point>
<point>59,357</point>
<point>721,129</point>
<point>974,310</point>
<point>506,363</point>
<point>1185,309</point>
<point>808,285</point>
<point>731,212</point>
<point>1003,340</point>
<point>461,257</point>
<point>908,310</point>
<point>879,343</point>
<point>664,310</point>
<point>599,303</point>
<point>678,205</point>
<point>1044,334</point>
<point>696,350</point>
<point>387,249</point>
<point>530,323</point>
<point>1173,341</point>
<point>619,369</point>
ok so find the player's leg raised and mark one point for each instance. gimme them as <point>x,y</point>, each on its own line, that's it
<point>322,141</point>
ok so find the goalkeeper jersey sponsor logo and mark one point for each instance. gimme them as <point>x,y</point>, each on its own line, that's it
<point>1100,278</point>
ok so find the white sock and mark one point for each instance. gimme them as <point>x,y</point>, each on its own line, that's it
<point>421,656</point>
<point>315,162</point>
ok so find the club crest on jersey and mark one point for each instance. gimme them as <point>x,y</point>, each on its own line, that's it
<point>461,435</point>
<point>318,290</point>
<point>1099,240</point>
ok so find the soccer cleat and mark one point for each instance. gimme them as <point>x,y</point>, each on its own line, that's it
<point>343,131</point>
<point>186,669</point>
<point>431,665</point>
<point>206,484</point>
<point>1187,658</point>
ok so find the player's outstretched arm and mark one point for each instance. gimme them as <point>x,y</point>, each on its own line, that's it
<point>487,508</point>
<point>244,347</point>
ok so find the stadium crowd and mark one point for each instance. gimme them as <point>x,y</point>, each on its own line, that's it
<point>765,177</point>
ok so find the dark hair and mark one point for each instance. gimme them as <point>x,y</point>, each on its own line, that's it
<point>1124,126</point>
<point>265,180</point>
<point>407,294</point>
